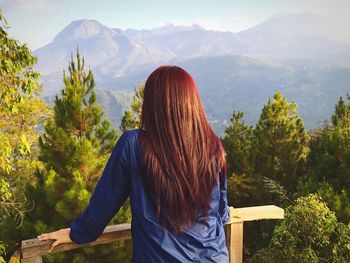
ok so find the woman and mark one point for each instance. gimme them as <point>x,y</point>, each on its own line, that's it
<point>174,169</point>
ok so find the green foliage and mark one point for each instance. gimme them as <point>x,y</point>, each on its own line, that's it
<point>265,163</point>
<point>18,80</point>
<point>341,111</point>
<point>2,252</point>
<point>131,118</point>
<point>310,232</point>
<point>329,165</point>
<point>237,140</point>
<point>22,111</point>
<point>267,160</point>
<point>280,143</point>
<point>75,147</point>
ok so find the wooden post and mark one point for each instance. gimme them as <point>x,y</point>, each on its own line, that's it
<point>234,228</point>
<point>237,233</point>
<point>234,241</point>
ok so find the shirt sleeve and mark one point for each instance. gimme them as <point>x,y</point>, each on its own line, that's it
<point>224,209</point>
<point>110,193</point>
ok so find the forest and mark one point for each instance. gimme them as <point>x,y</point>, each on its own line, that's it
<point>51,157</point>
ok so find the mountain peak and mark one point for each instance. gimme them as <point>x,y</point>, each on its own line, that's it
<point>81,29</point>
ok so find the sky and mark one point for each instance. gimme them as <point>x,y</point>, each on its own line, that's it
<point>37,22</point>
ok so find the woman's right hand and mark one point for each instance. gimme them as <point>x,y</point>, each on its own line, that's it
<point>61,236</point>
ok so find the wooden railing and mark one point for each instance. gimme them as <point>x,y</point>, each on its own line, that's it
<point>32,250</point>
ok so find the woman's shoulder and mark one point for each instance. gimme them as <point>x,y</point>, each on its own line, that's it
<point>130,138</point>
<point>132,134</point>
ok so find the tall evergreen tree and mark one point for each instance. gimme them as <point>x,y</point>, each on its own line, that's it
<point>75,148</point>
<point>237,142</point>
<point>341,111</point>
<point>280,144</point>
<point>265,161</point>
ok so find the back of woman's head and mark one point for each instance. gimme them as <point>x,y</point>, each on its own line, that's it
<point>181,153</point>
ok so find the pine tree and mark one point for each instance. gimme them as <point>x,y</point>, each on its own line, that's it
<point>131,117</point>
<point>270,159</point>
<point>341,112</point>
<point>75,148</point>
<point>237,142</point>
<point>280,144</point>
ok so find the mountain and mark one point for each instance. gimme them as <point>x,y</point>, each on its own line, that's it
<point>113,53</point>
<point>189,41</point>
<point>305,56</point>
<point>109,52</point>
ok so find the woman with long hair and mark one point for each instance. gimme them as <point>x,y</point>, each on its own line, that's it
<point>174,169</point>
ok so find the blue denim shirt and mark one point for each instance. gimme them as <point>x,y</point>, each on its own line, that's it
<point>204,241</point>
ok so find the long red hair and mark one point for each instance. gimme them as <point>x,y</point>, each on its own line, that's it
<point>182,156</point>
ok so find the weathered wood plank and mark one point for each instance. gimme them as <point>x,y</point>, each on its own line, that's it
<point>34,247</point>
<point>256,213</point>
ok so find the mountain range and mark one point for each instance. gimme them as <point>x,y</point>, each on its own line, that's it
<point>305,56</point>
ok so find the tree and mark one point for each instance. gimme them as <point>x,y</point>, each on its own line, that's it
<point>280,144</point>
<point>310,232</point>
<point>22,111</point>
<point>131,117</point>
<point>75,147</point>
<point>265,163</point>
<point>237,141</point>
<point>341,111</point>
<point>328,162</point>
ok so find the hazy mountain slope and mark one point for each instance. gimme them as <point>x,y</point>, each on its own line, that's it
<point>238,83</point>
<point>230,83</point>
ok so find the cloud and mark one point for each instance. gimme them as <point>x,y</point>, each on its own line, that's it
<point>32,6</point>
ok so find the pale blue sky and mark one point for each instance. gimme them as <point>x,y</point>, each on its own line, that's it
<point>36,22</point>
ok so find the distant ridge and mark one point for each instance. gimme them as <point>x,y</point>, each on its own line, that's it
<point>306,56</point>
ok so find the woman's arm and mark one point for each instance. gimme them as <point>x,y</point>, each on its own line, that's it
<point>109,195</point>
<point>224,209</point>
